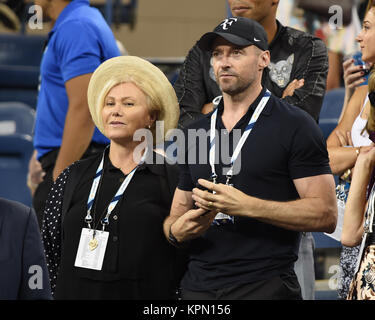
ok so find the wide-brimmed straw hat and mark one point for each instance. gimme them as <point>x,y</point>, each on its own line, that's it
<point>147,77</point>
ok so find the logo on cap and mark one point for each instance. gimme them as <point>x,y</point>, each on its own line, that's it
<point>228,22</point>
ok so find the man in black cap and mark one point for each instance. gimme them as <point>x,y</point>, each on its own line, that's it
<point>297,73</point>
<point>243,234</point>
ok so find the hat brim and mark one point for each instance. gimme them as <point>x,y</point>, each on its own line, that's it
<point>120,69</point>
<point>207,40</point>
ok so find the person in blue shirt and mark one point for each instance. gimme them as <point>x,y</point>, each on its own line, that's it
<point>64,132</point>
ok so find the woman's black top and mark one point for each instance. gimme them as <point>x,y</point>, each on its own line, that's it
<point>139,263</point>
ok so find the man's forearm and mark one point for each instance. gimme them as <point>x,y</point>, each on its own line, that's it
<point>182,202</point>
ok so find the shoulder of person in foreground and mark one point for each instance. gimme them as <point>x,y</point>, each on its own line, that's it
<point>13,210</point>
<point>26,274</point>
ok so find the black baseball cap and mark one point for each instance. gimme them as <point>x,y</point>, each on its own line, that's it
<point>237,30</point>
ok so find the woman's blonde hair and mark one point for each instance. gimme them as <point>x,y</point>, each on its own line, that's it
<point>161,97</point>
<point>370,4</point>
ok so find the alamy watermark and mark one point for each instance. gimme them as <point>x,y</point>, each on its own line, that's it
<point>336,20</point>
<point>36,278</point>
<point>190,146</point>
<point>36,20</point>
<point>334,281</point>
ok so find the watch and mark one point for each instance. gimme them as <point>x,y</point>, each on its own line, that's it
<point>172,239</point>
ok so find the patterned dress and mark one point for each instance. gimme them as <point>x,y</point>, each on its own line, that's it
<point>348,259</point>
<point>363,285</point>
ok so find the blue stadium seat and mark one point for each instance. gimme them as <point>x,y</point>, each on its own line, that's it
<point>27,96</point>
<point>326,295</point>
<point>331,109</point>
<point>324,241</point>
<point>19,67</point>
<point>15,153</point>
<point>16,117</point>
<point>16,147</point>
<point>329,115</point>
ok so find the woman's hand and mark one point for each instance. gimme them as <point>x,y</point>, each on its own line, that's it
<point>353,74</point>
<point>345,140</point>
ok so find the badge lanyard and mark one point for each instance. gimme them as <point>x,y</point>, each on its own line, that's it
<point>240,144</point>
<point>222,218</point>
<point>116,198</point>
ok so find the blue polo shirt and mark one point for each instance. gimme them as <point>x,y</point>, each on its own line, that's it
<point>78,43</point>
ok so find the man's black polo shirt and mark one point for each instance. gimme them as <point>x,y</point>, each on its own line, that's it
<point>285,144</point>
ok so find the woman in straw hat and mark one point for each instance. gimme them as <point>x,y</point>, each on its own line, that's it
<point>102,228</point>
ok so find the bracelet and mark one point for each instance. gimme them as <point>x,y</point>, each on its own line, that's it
<point>357,151</point>
<point>346,175</point>
<point>172,239</point>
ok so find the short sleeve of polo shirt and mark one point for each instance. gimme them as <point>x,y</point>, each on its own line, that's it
<point>185,182</point>
<point>77,48</point>
<point>308,154</point>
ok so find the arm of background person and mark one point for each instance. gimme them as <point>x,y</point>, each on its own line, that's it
<point>334,70</point>
<point>190,87</point>
<point>353,78</point>
<point>79,127</point>
<point>292,86</point>
<point>316,210</point>
<point>310,96</point>
<point>355,206</point>
<point>342,158</point>
<point>35,174</point>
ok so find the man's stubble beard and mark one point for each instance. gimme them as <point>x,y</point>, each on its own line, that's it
<point>237,88</point>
